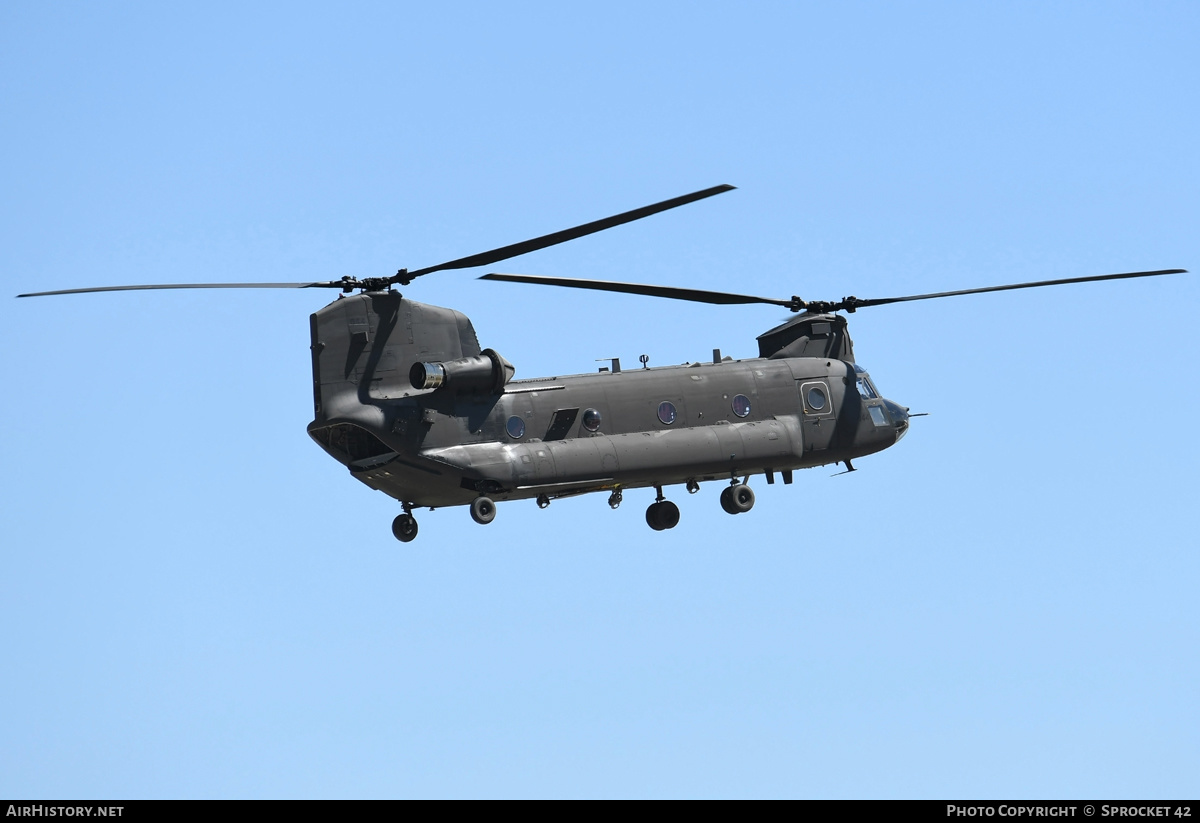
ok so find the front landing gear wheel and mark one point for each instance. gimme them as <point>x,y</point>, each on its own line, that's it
<point>404,527</point>
<point>737,499</point>
<point>483,510</point>
<point>727,500</point>
<point>662,515</point>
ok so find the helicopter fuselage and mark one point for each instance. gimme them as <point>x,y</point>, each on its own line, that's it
<point>482,433</point>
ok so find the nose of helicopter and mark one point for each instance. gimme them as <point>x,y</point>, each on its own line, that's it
<point>899,416</point>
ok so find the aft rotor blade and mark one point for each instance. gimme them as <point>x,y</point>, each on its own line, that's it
<point>852,303</point>
<point>331,284</point>
<point>695,295</point>
<point>505,252</point>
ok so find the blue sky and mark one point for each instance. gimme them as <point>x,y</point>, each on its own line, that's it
<point>198,602</point>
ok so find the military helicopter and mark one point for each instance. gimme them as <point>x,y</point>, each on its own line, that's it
<point>406,399</point>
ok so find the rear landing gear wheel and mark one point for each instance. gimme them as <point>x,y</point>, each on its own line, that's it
<point>404,527</point>
<point>483,510</point>
<point>662,515</point>
<point>737,499</point>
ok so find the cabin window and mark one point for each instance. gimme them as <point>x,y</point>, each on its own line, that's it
<point>515,427</point>
<point>667,413</point>
<point>741,405</point>
<point>816,399</point>
<point>591,420</point>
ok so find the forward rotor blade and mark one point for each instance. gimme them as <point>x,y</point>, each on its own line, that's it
<point>330,284</point>
<point>795,303</point>
<point>695,295</point>
<point>852,303</point>
<point>505,252</point>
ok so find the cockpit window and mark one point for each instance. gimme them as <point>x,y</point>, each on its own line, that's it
<point>865,388</point>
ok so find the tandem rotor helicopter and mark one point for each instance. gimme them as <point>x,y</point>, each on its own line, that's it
<point>406,399</point>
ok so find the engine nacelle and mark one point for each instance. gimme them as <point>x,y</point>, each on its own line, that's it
<point>486,372</point>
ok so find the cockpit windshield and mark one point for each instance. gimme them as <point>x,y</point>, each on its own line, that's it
<point>865,387</point>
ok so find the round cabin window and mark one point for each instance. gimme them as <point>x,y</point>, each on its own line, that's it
<point>816,399</point>
<point>667,413</point>
<point>516,427</point>
<point>741,405</point>
<point>591,420</point>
